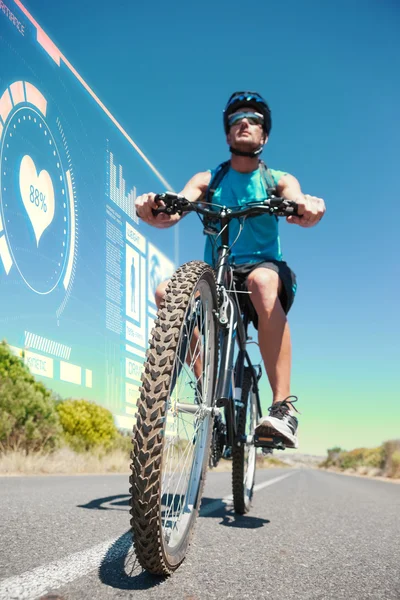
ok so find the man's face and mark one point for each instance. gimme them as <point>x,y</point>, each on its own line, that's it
<point>244,134</point>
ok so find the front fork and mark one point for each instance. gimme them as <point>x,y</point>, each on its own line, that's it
<point>230,375</point>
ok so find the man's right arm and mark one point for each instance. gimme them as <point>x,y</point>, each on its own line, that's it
<point>193,191</point>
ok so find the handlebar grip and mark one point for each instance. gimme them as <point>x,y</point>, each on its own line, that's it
<point>163,198</point>
<point>292,209</point>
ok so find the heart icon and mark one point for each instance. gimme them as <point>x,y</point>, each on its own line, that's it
<point>37,195</point>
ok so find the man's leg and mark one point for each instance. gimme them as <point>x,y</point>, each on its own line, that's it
<point>276,350</point>
<point>273,330</point>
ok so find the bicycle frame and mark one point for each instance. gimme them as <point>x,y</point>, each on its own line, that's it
<point>232,325</point>
<point>232,328</point>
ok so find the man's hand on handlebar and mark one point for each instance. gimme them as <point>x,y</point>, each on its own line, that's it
<point>145,204</point>
<point>310,211</point>
<point>176,205</point>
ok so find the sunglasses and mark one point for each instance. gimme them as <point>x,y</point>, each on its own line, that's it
<point>253,118</point>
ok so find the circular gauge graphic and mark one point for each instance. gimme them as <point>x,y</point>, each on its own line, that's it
<point>37,212</point>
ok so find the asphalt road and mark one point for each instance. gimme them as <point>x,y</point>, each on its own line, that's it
<point>310,535</point>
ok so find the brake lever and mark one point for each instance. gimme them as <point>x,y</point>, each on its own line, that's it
<point>174,204</point>
<point>284,208</point>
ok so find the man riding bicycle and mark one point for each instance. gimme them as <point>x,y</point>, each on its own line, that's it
<point>256,255</point>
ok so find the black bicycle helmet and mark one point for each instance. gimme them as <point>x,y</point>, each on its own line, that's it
<point>249,100</point>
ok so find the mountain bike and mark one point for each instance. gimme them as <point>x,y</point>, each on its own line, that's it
<point>198,402</point>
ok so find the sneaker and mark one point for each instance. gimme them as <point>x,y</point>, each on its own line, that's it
<point>280,422</point>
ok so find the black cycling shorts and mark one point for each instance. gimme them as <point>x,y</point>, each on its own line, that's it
<point>286,275</point>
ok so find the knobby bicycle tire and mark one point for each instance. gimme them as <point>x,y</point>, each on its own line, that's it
<point>154,407</point>
<point>243,455</point>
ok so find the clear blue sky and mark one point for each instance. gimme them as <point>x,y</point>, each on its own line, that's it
<point>330,72</point>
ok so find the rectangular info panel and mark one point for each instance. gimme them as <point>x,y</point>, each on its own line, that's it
<point>78,270</point>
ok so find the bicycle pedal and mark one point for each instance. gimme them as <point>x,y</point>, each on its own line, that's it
<point>270,442</point>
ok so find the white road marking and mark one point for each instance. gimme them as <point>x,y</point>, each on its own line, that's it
<point>260,486</point>
<point>47,578</point>
<point>42,580</point>
<point>209,508</point>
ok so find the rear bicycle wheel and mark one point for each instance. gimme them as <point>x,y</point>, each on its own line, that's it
<point>243,453</point>
<point>171,439</point>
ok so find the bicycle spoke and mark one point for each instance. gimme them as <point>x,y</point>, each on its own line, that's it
<point>178,463</point>
<point>182,468</point>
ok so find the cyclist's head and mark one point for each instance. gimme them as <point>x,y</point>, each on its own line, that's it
<point>259,115</point>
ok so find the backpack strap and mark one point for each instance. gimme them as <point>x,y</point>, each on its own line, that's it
<point>223,168</point>
<point>216,179</point>
<point>269,181</point>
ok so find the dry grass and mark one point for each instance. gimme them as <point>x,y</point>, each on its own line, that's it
<point>361,473</point>
<point>68,462</point>
<point>392,463</point>
<point>383,461</point>
<point>63,462</point>
<point>263,462</point>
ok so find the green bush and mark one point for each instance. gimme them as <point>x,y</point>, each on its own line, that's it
<point>86,426</point>
<point>33,418</point>
<point>352,459</point>
<point>28,419</point>
<point>359,457</point>
<point>333,457</point>
<point>374,457</point>
<point>396,458</point>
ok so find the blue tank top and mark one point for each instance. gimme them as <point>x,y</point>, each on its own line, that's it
<point>259,239</point>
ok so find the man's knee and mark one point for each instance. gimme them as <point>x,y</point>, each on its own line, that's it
<point>264,285</point>
<point>160,292</point>
<point>265,281</point>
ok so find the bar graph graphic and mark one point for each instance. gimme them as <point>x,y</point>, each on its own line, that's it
<point>117,189</point>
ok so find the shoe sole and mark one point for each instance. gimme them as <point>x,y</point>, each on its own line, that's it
<point>268,431</point>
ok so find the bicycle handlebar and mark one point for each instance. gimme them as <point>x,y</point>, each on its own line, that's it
<point>175,204</point>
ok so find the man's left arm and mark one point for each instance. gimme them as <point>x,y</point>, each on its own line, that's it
<point>310,208</point>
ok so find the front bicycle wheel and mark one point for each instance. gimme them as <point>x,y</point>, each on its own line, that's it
<point>171,439</point>
<point>244,452</point>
